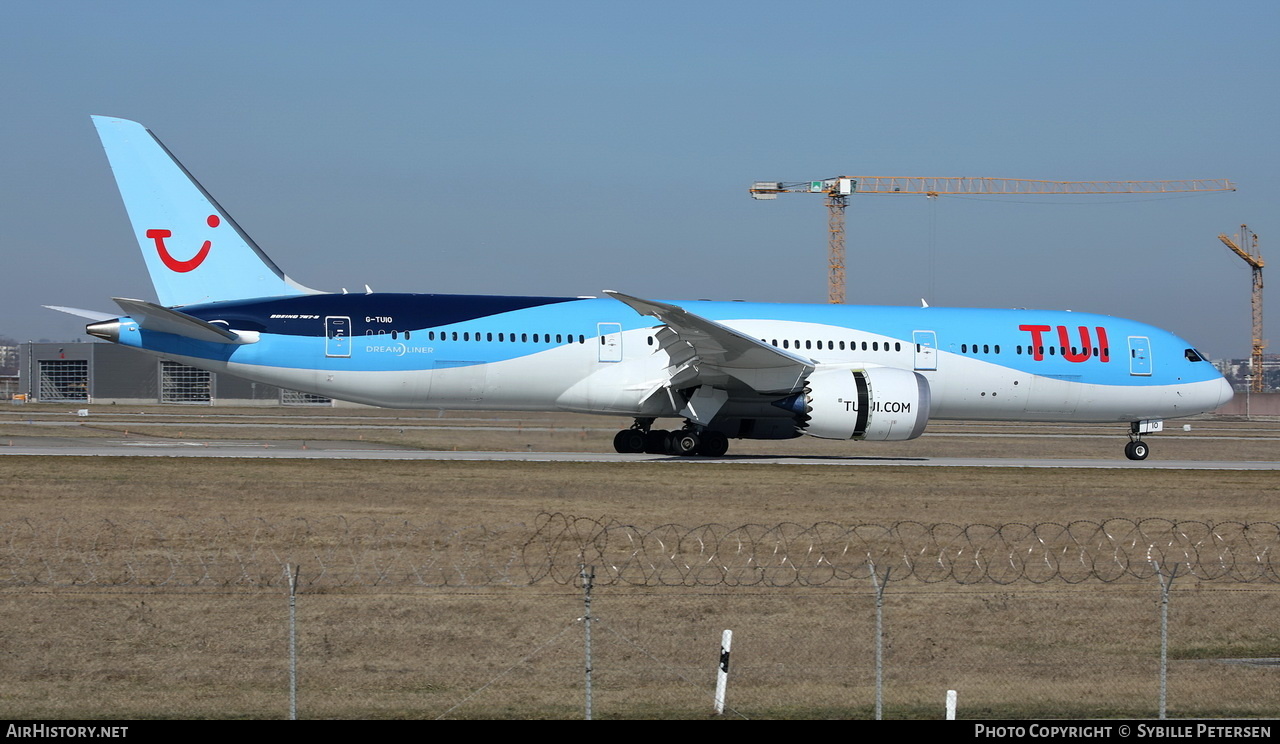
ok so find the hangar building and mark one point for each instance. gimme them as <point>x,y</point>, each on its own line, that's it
<point>91,372</point>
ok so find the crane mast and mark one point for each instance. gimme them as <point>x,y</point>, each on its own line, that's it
<point>839,189</point>
<point>1248,249</point>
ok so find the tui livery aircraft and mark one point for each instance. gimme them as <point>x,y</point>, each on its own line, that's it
<point>727,370</point>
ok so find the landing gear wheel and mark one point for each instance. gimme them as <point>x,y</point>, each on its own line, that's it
<point>684,443</point>
<point>1136,450</point>
<point>714,444</point>
<point>655,441</point>
<point>629,441</point>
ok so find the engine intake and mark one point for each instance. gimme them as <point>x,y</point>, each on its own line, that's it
<point>876,403</point>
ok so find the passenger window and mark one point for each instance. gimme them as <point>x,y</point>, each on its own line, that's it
<point>964,348</point>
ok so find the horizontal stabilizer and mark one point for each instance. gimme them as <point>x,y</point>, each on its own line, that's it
<point>152,317</point>
<point>93,315</point>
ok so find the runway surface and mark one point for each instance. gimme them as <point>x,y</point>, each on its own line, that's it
<point>346,451</point>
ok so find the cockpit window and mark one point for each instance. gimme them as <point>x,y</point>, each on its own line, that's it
<point>1193,356</point>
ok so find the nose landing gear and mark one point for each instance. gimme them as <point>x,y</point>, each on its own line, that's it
<point>1137,449</point>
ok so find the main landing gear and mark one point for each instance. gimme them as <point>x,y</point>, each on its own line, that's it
<point>1137,449</point>
<point>683,442</point>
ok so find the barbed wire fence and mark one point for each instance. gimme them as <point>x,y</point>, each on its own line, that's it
<point>463,602</point>
<point>366,552</point>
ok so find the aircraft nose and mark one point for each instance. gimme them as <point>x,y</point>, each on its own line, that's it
<point>1225,393</point>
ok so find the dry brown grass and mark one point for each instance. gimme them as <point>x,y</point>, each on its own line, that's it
<point>468,493</point>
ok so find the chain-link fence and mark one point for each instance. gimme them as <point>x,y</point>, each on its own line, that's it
<point>192,619</point>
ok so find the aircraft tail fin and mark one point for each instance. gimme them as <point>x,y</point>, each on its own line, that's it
<point>194,251</point>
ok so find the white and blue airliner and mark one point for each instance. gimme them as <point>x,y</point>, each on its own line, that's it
<point>723,370</point>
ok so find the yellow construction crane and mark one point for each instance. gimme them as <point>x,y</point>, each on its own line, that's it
<point>1252,255</point>
<point>839,189</point>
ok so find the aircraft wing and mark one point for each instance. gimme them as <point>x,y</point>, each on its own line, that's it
<point>704,352</point>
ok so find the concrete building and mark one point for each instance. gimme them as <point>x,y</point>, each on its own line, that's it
<point>106,373</point>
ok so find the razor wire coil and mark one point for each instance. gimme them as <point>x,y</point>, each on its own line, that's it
<point>368,552</point>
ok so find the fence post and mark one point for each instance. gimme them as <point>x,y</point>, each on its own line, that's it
<point>1166,586</point>
<point>587,578</point>
<point>879,587</point>
<point>292,576</point>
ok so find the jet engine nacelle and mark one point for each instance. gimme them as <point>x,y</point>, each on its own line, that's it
<point>876,403</point>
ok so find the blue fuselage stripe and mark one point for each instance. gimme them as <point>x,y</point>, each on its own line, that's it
<point>386,332</point>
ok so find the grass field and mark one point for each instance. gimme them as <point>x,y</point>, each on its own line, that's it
<point>1055,650</point>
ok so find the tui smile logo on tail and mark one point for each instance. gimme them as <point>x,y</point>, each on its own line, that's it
<point>173,263</point>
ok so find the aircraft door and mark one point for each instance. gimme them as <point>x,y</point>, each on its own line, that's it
<point>337,336</point>
<point>610,341</point>
<point>926,349</point>
<point>1139,355</point>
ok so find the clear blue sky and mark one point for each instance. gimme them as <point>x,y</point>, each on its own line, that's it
<point>567,147</point>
